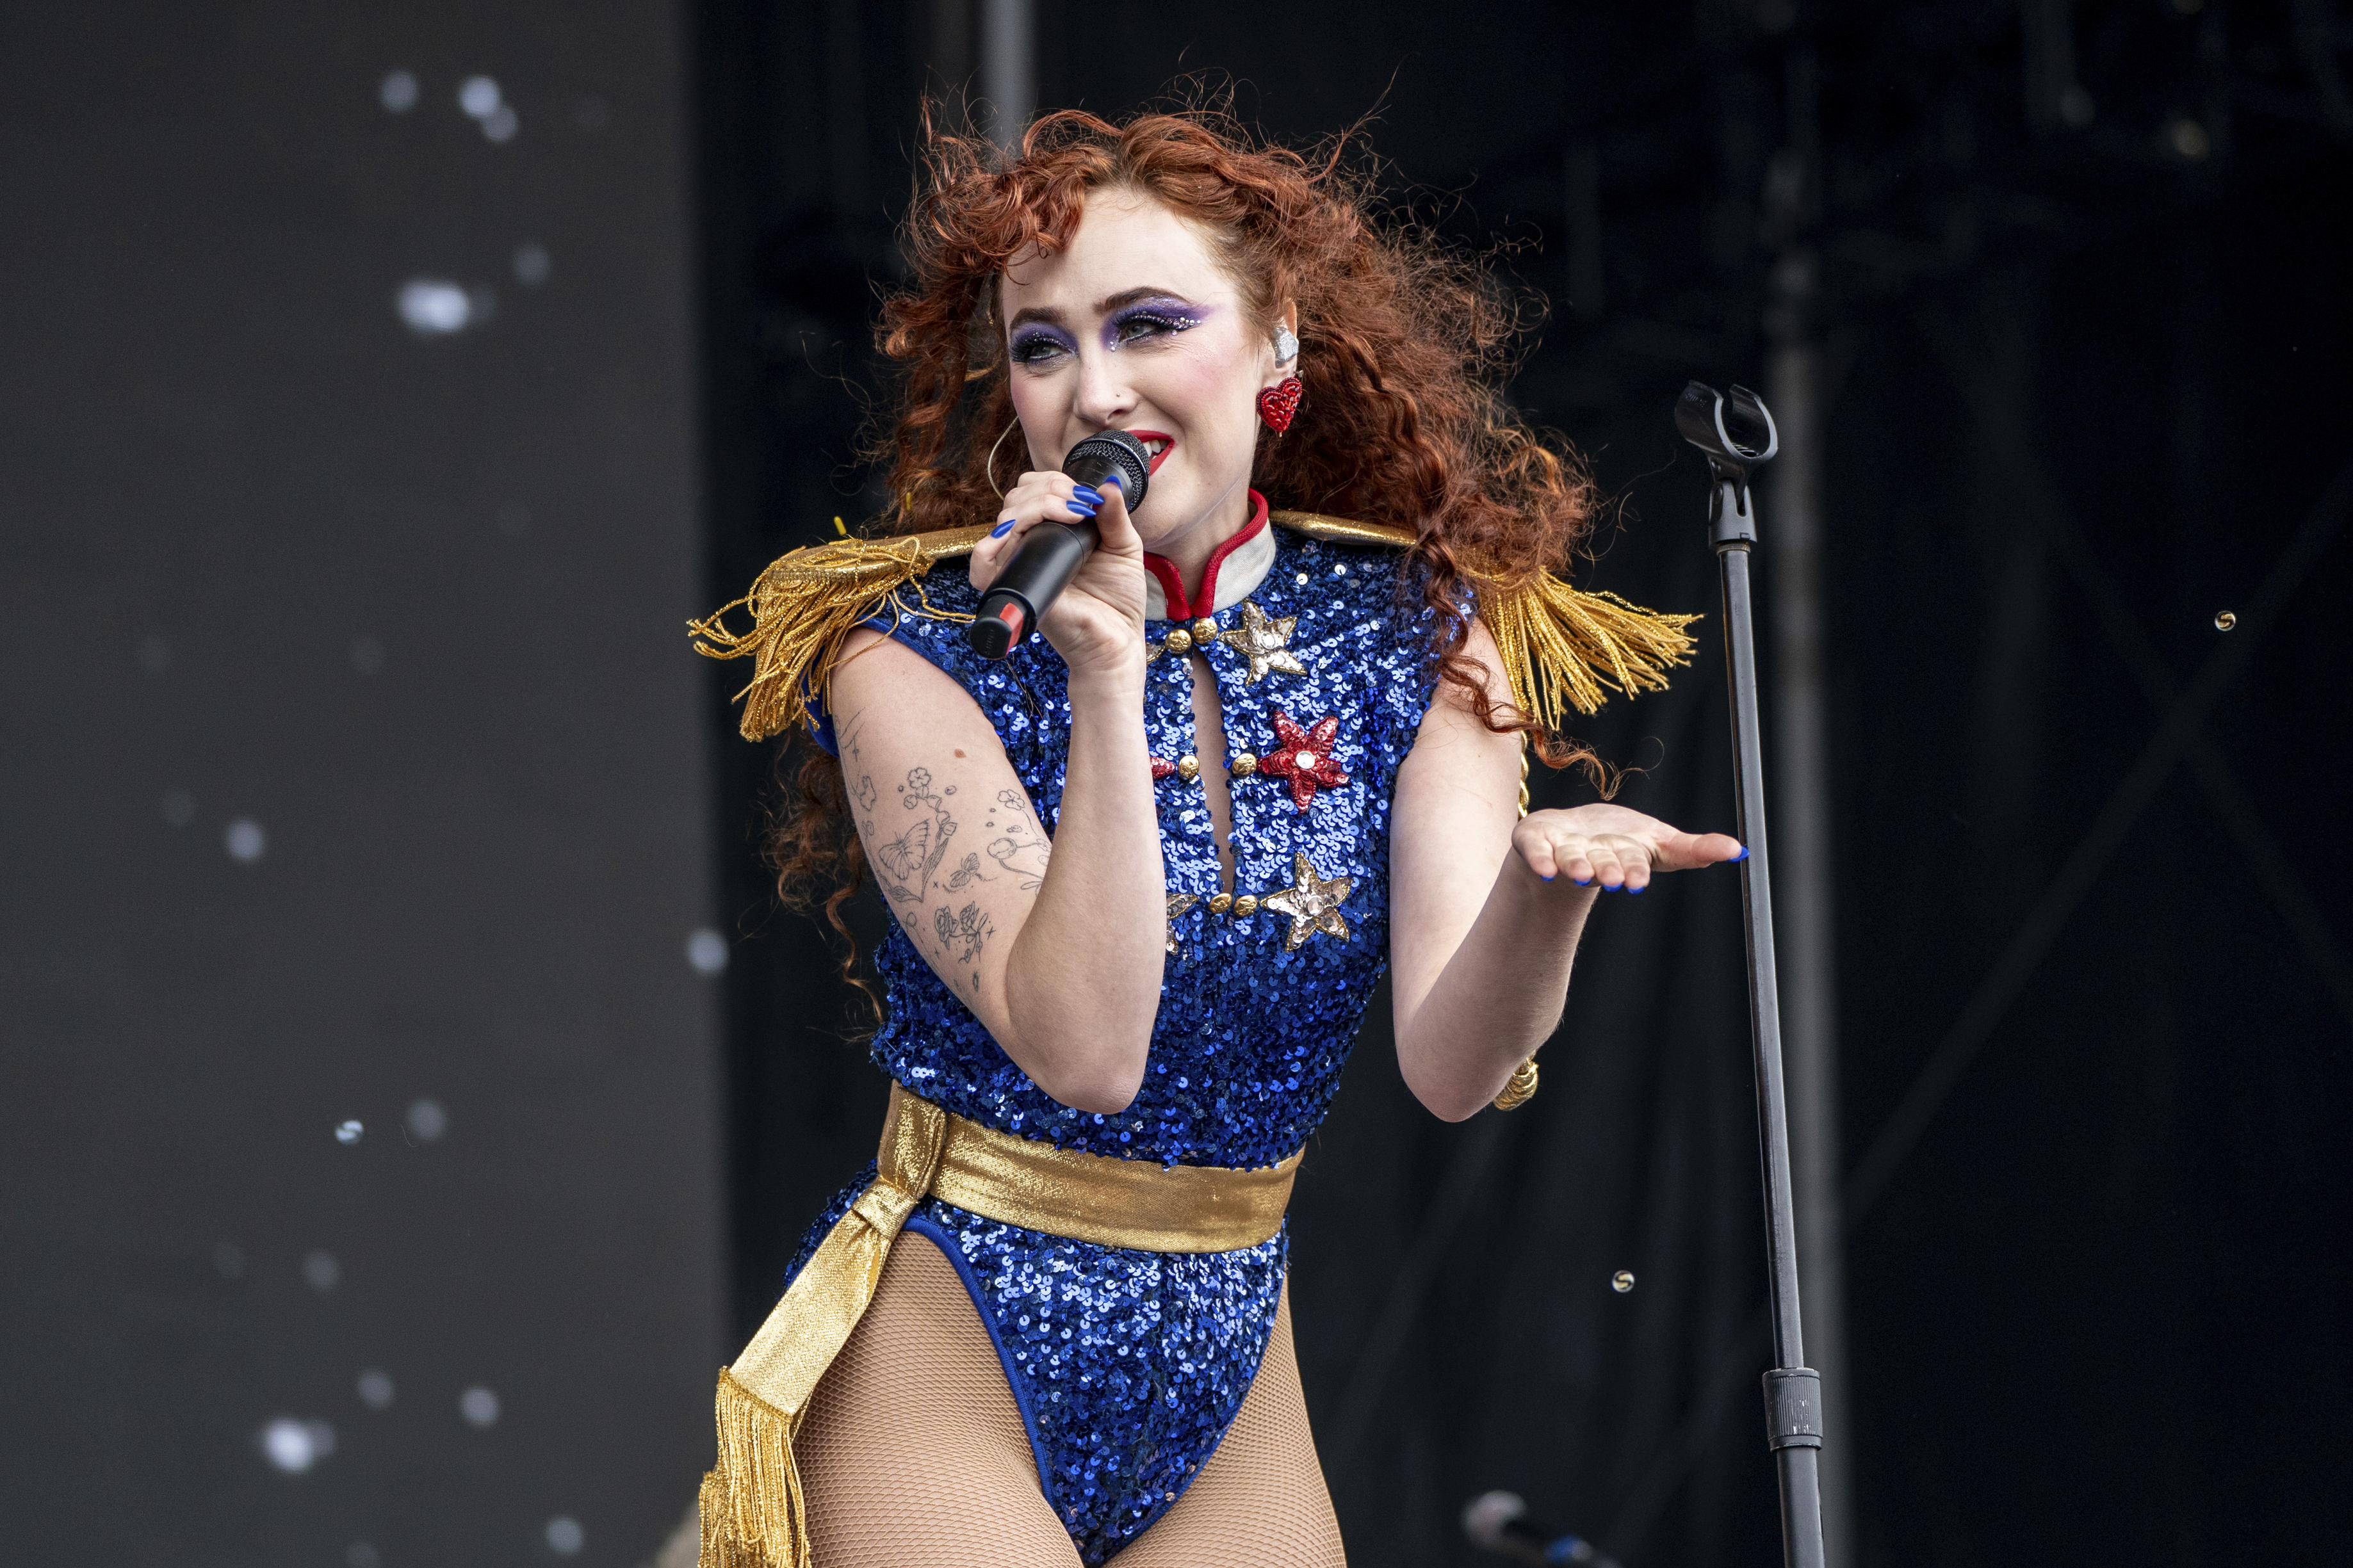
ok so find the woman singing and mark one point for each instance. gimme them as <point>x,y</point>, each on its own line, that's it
<point>1146,870</point>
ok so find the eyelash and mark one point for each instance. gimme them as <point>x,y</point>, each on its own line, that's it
<point>1032,347</point>
<point>1161,322</point>
<point>1035,348</point>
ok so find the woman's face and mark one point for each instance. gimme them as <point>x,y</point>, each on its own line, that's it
<point>1134,326</point>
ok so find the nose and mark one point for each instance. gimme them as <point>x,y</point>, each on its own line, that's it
<point>1104,397</point>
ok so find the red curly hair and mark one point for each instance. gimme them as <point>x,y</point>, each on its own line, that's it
<point>1403,344</point>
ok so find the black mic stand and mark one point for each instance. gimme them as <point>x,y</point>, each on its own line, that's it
<point>1738,435</point>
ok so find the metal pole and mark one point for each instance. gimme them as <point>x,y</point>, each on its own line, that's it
<point>1009,66</point>
<point>1738,435</point>
<point>1802,901</point>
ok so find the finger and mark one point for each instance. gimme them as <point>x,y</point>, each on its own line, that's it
<point>1571,849</point>
<point>988,557</point>
<point>1536,847</point>
<point>1677,851</point>
<point>1111,519</point>
<point>1073,502</point>
<point>1634,860</point>
<point>1608,869</point>
<point>1016,518</point>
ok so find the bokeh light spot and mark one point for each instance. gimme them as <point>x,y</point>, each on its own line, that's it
<point>246,840</point>
<point>707,951</point>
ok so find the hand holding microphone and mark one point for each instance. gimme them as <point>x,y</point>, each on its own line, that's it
<point>1046,555</point>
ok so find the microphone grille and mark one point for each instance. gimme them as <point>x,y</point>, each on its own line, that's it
<point>1124,450</point>
<point>1483,1517</point>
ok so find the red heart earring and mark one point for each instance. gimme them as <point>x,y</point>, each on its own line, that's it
<point>1279,404</point>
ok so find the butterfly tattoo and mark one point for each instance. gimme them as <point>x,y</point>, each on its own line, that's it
<point>909,860</point>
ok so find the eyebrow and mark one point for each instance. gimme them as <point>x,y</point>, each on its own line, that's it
<point>1053,317</point>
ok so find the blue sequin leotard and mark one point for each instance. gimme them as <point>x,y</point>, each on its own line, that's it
<point>1128,1366</point>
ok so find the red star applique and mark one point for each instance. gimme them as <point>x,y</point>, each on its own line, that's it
<point>1162,767</point>
<point>1305,757</point>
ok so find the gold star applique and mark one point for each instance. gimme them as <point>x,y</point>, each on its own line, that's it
<point>1312,903</point>
<point>1177,904</point>
<point>1261,639</point>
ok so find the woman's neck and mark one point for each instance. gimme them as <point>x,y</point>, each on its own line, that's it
<point>1189,551</point>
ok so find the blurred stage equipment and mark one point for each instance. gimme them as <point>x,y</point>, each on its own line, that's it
<point>1499,1521</point>
<point>1738,435</point>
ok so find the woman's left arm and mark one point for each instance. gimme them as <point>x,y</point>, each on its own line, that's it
<point>1487,906</point>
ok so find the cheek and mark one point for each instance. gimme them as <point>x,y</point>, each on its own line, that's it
<point>1211,392</point>
<point>1038,402</point>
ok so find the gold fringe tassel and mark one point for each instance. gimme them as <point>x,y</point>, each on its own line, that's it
<point>806,603</point>
<point>751,1510</point>
<point>1562,646</point>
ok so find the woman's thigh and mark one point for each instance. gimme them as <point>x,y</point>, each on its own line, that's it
<point>1261,1501</point>
<point>914,1451</point>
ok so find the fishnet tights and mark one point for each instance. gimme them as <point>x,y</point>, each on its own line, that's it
<point>914,1454</point>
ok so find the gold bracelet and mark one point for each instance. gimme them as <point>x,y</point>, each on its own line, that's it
<point>1523,1087</point>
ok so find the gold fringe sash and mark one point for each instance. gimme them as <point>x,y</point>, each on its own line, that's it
<point>1563,647</point>
<point>752,1513</point>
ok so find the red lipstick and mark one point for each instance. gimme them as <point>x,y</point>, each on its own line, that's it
<point>1168,445</point>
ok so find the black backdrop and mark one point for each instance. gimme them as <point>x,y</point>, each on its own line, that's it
<point>410,606</point>
<point>407,609</point>
<point>2084,363</point>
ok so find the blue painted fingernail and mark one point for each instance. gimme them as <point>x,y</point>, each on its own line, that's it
<point>1001,529</point>
<point>1083,508</point>
<point>1582,881</point>
<point>1637,889</point>
<point>1547,875</point>
<point>1088,494</point>
<point>1744,853</point>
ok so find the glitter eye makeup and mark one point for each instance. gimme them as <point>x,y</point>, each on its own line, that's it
<point>1036,345</point>
<point>1149,319</point>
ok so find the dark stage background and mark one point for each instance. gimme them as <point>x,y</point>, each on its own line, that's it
<point>407,601</point>
<point>351,772</point>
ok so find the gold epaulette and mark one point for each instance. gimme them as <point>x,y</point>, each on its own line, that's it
<point>1563,647</point>
<point>806,603</point>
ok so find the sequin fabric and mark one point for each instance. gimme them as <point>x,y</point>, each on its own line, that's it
<point>1130,1365</point>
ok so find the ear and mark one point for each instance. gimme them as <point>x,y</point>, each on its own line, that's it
<point>1286,325</point>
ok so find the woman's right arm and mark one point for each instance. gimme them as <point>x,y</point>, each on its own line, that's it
<point>1061,957</point>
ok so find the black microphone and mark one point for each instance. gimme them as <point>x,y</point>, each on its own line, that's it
<point>1499,1521</point>
<point>1050,553</point>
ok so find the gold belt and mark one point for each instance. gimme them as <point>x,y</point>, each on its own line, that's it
<point>752,1513</point>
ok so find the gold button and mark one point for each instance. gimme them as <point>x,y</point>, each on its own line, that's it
<point>1221,903</point>
<point>1180,641</point>
<point>1243,764</point>
<point>1204,630</point>
<point>1245,906</point>
<point>1189,768</point>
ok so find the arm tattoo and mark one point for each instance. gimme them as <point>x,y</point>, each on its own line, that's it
<point>907,862</point>
<point>1023,850</point>
<point>968,925</point>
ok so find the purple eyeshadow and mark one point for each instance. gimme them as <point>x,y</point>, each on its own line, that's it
<point>1030,338</point>
<point>1169,315</point>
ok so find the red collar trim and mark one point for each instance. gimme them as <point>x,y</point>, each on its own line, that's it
<point>1184,607</point>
